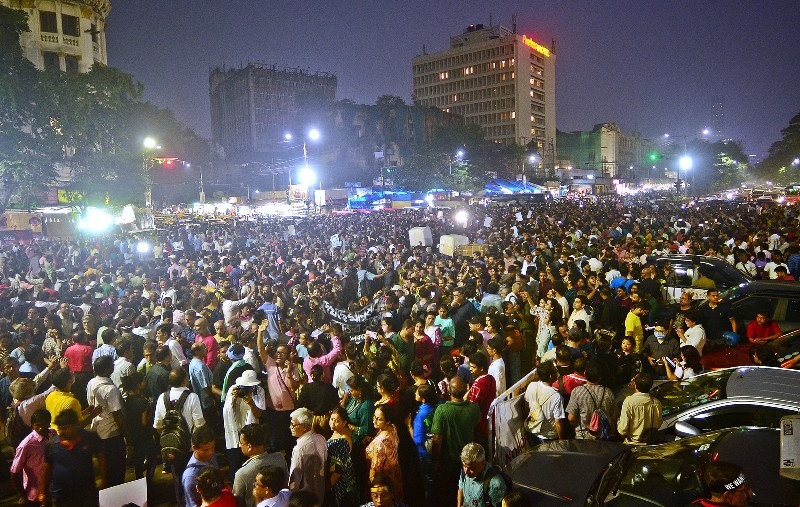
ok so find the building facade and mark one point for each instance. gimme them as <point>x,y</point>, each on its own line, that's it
<point>498,79</point>
<point>253,106</point>
<point>68,35</point>
<point>603,151</point>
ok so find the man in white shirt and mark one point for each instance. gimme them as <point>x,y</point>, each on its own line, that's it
<point>545,405</point>
<point>307,470</point>
<point>123,366</point>
<point>776,260</point>
<point>192,411</point>
<point>497,368</point>
<point>344,369</point>
<point>110,422</point>
<point>244,403</point>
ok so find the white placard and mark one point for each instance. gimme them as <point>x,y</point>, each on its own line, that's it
<point>519,216</point>
<point>335,241</point>
<point>134,492</point>
<point>530,213</point>
<point>487,222</point>
<point>440,214</point>
<point>291,230</point>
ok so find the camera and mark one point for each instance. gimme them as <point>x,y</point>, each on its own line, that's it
<point>242,391</point>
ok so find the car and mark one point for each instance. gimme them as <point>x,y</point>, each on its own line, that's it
<point>602,473</point>
<point>744,396</point>
<point>724,275</point>
<point>780,299</point>
<point>783,348</point>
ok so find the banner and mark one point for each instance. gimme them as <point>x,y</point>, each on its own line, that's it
<point>298,192</point>
<point>355,323</point>
<point>507,415</point>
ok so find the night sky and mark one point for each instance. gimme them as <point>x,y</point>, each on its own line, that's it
<point>648,66</point>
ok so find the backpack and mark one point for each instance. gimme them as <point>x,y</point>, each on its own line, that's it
<point>176,439</point>
<point>490,473</point>
<point>599,424</point>
<point>16,430</point>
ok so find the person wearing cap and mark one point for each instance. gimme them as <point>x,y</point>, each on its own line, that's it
<point>727,484</point>
<point>243,405</point>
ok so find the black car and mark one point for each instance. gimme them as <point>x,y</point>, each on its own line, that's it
<point>780,299</point>
<point>587,472</point>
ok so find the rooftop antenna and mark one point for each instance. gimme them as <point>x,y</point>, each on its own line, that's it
<point>424,50</point>
<point>490,20</point>
<point>514,24</point>
<point>553,46</point>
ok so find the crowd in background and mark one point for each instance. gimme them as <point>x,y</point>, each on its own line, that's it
<point>102,343</point>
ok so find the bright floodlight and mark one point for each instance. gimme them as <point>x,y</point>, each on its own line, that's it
<point>460,153</point>
<point>143,247</point>
<point>706,132</point>
<point>796,161</point>
<point>307,176</point>
<point>666,136</point>
<point>96,221</point>
<point>685,163</point>
<point>461,217</point>
<point>287,136</point>
<point>314,134</point>
<point>532,159</point>
<point>149,143</point>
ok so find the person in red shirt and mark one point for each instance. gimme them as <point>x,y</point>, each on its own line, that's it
<point>211,487</point>
<point>763,329</point>
<point>482,392</point>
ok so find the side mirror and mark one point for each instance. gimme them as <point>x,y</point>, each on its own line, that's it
<point>684,429</point>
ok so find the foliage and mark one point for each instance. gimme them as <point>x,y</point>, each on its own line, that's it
<point>29,145</point>
<point>778,164</point>
<point>90,124</point>
<point>716,165</point>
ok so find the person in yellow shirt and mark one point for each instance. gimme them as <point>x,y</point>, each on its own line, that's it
<point>633,324</point>
<point>62,399</point>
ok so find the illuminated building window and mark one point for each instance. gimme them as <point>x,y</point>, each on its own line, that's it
<point>513,115</point>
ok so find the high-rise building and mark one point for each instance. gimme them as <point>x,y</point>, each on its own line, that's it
<point>718,118</point>
<point>252,107</point>
<point>68,35</point>
<point>498,79</point>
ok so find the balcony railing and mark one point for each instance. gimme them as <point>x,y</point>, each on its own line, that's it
<point>46,37</point>
<point>71,41</point>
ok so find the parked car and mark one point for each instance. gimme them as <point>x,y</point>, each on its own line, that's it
<point>588,472</point>
<point>745,396</point>
<point>784,348</point>
<point>780,299</point>
<point>724,275</point>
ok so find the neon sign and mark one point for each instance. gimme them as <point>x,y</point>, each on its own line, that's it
<point>535,45</point>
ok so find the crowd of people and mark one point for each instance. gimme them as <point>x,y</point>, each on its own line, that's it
<point>215,357</point>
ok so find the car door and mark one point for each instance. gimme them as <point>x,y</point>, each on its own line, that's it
<point>685,271</point>
<point>744,310</point>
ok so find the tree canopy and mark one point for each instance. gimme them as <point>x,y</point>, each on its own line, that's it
<point>86,128</point>
<point>778,165</point>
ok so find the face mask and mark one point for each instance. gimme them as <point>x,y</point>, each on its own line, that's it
<point>660,336</point>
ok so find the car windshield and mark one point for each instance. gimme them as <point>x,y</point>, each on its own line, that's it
<point>682,394</point>
<point>663,474</point>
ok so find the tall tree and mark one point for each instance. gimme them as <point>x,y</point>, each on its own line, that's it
<point>779,164</point>
<point>29,137</point>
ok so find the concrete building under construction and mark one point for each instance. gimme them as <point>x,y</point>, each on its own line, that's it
<point>253,106</point>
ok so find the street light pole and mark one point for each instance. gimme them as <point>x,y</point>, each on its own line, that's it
<point>150,145</point>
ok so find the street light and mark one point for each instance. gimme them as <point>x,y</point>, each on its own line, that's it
<point>685,164</point>
<point>532,160</point>
<point>796,161</point>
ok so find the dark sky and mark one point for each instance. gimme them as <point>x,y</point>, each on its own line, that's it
<point>649,66</point>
